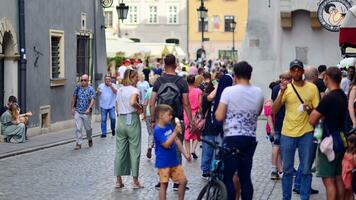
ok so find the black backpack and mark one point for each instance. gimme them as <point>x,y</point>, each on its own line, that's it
<point>170,94</point>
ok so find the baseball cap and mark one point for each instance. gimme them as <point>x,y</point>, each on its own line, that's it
<point>326,147</point>
<point>127,61</point>
<point>296,63</point>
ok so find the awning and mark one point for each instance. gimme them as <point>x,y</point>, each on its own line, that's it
<point>158,50</point>
<point>153,50</point>
<point>124,45</point>
<point>347,35</point>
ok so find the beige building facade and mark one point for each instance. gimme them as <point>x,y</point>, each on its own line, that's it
<point>150,21</point>
<point>217,25</point>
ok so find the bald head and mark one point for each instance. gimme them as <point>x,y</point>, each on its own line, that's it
<point>311,73</point>
<point>84,80</point>
<point>85,76</point>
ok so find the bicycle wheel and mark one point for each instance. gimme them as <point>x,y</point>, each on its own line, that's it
<point>214,190</point>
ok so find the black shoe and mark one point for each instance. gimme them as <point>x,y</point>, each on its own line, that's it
<point>296,191</point>
<point>312,191</point>
<point>149,153</point>
<point>157,186</point>
<point>194,156</point>
<point>113,133</point>
<point>205,176</point>
<point>103,136</point>
<point>274,176</point>
<point>176,185</point>
<point>90,142</point>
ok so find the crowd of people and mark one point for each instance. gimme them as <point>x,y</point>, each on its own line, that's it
<point>311,109</point>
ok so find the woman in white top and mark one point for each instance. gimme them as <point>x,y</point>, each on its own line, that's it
<point>128,131</point>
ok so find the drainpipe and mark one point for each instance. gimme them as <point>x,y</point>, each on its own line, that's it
<point>95,67</point>
<point>23,60</point>
<point>188,56</point>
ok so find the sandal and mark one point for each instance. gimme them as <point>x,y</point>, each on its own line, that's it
<point>137,186</point>
<point>119,185</point>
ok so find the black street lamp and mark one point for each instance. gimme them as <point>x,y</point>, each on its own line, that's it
<point>233,26</point>
<point>203,13</point>
<point>122,10</point>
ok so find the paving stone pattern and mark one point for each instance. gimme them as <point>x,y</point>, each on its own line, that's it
<point>62,173</point>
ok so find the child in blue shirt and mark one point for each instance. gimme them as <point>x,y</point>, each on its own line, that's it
<point>166,154</point>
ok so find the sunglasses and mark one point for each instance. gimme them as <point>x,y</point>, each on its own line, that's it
<point>84,80</point>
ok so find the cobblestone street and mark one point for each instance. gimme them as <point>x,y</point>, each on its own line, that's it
<point>62,173</point>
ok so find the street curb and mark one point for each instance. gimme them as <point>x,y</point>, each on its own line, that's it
<point>42,147</point>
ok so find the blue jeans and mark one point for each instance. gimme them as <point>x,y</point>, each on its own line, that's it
<point>104,117</point>
<point>297,179</point>
<point>240,163</point>
<point>305,150</point>
<point>207,154</point>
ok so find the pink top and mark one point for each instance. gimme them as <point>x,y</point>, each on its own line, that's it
<point>193,70</point>
<point>267,109</point>
<point>347,167</point>
<point>194,94</point>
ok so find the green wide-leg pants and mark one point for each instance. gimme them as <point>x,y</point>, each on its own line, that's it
<point>128,146</point>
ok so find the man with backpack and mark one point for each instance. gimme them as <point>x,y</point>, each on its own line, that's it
<point>172,90</point>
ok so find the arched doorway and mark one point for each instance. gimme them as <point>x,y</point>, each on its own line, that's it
<point>8,61</point>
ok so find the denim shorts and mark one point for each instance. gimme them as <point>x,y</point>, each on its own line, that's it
<point>277,138</point>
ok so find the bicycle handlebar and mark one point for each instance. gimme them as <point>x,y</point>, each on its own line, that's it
<point>216,146</point>
<point>353,130</point>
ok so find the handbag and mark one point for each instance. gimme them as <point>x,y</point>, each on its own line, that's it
<point>199,122</point>
<point>339,140</point>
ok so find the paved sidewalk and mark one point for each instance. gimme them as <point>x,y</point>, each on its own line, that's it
<point>43,141</point>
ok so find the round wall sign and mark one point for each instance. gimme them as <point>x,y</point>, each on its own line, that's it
<point>106,3</point>
<point>331,13</point>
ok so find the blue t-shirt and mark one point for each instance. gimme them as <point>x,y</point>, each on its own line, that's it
<point>157,71</point>
<point>165,157</point>
<point>84,97</point>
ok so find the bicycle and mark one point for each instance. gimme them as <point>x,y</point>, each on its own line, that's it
<point>215,189</point>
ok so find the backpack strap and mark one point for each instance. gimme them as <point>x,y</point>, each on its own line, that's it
<point>176,81</point>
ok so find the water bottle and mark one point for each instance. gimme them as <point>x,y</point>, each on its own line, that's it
<point>318,131</point>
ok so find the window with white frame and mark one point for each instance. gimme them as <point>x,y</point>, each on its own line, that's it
<point>56,54</point>
<point>108,19</point>
<point>205,24</point>
<point>172,14</point>
<point>153,18</point>
<point>227,22</point>
<point>132,17</point>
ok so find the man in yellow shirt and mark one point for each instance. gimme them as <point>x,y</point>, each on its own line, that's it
<point>299,98</point>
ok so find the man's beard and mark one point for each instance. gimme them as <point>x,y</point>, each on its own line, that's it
<point>297,78</point>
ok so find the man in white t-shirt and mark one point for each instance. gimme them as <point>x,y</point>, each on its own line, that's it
<point>107,98</point>
<point>125,65</point>
<point>239,107</point>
